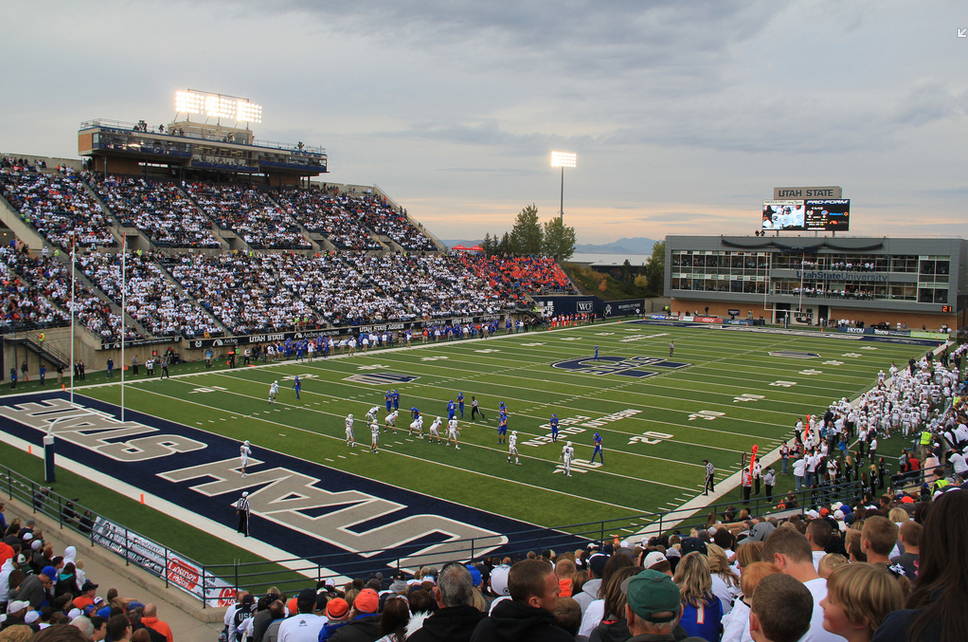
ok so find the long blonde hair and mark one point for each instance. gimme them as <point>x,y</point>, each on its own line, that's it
<point>719,564</point>
<point>693,578</point>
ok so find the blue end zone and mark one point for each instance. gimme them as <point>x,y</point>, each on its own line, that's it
<point>620,366</point>
<point>303,508</point>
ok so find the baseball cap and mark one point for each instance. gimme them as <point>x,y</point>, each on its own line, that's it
<point>88,586</point>
<point>17,606</point>
<point>499,580</point>
<point>336,608</point>
<point>597,563</point>
<point>653,558</point>
<point>367,601</point>
<point>652,592</point>
<point>33,616</point>
<point>693,544</point>
<point>475,575</point>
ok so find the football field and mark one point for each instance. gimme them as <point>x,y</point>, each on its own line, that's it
<point>720,393</point>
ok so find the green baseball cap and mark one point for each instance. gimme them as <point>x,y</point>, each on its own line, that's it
<point>652,592</point>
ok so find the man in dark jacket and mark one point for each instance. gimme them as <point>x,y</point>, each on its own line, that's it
<point>365,623</point>
<point>455,619</point>
<point>527,616</point>
<point>34,590</point>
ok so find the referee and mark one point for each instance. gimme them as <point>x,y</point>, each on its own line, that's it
<point>242,509</point>
<point>710,472</point>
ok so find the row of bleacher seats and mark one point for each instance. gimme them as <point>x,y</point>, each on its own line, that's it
<point>160,210</point>
<point>243,293</point>
<point>183,294</point>
<point>59,205</point>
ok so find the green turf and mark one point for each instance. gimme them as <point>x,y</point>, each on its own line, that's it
<point>637,476</point>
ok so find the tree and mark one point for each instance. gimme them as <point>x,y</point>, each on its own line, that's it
<point>505,246</point>
<point>489,244</point>
<point>559,239</point>
<point>655,270</point>
<point>526,233</point>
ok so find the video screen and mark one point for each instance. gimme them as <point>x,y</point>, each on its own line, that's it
<point>783,215</point>
<point>830,215</point>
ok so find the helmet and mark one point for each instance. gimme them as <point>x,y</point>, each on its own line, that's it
<point>349,416</point>
<point>568,444</point>
<point>514,433</point>
<point>439,419</point>
<point>553,415</point>
<point>246,442</point>
<point>276,381</point>
<point>596,435</point>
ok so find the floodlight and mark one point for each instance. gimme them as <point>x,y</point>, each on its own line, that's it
<point>564,159</point>
<point>219,107</point>
<point>189,102</point>
<point>249,111</point>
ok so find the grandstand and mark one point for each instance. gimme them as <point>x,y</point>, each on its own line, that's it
<point>228,243</point>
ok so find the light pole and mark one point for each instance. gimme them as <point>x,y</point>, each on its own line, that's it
<point>563,160</point>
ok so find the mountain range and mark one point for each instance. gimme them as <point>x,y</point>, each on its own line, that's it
<point>638,245</point>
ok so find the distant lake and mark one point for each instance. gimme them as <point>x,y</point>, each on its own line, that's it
<point>611,259</point>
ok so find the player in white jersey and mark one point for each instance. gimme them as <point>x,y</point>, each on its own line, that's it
<point>350,436</point>
<point>435,429</point>
<point>273,391</point>
<point>567,454</point>
<point>371,413</point>
<point>417,425</point>
<point>452,432</point>
<point>374,435</point>
<point>244,451</point>
<point>391,421</point>
<point>513,448</point>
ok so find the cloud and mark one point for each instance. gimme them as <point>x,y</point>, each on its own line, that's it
<point>929,100</point>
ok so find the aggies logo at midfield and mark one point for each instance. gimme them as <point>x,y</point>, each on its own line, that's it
<point>621,366</point>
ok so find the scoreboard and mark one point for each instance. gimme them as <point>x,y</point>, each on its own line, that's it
<point>812,215</point>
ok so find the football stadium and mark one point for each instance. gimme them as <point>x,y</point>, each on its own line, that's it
<point>238,379</point>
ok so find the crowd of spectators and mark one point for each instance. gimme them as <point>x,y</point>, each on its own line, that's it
<point>385,220</point>
<point>339,218</point>
<point>279,291</point>
<point>153,300</point>
<point>25,305</point>
<point>46,596</point>
<point>840,571</point>
<point>251,214</point>
<point>58,205</point>
<point>49,280</point>
<point>160,210</point>
<point>519,275</point>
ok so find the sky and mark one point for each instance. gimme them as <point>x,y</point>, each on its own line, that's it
<point>684,115</point>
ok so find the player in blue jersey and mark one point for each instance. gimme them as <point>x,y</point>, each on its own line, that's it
<point>596,353</point>
<point>388,399</point>
<point>460,403</point>
<point>297,385</point>
<point>502,427</point>
<point>396,399</point>
<point>599,449</point>
<point>554,427</point>
<point>414,413</point>
<point>451,409</point>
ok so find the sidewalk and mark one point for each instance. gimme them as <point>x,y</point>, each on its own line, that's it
<point>189,622</point>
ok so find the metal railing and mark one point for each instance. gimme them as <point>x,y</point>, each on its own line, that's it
<point>292,573</point>
<point>172,567</point>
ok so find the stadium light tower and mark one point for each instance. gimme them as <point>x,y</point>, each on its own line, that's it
<point>563,160</point>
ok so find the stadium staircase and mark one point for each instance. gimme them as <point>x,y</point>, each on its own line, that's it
<point>32,341</point>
